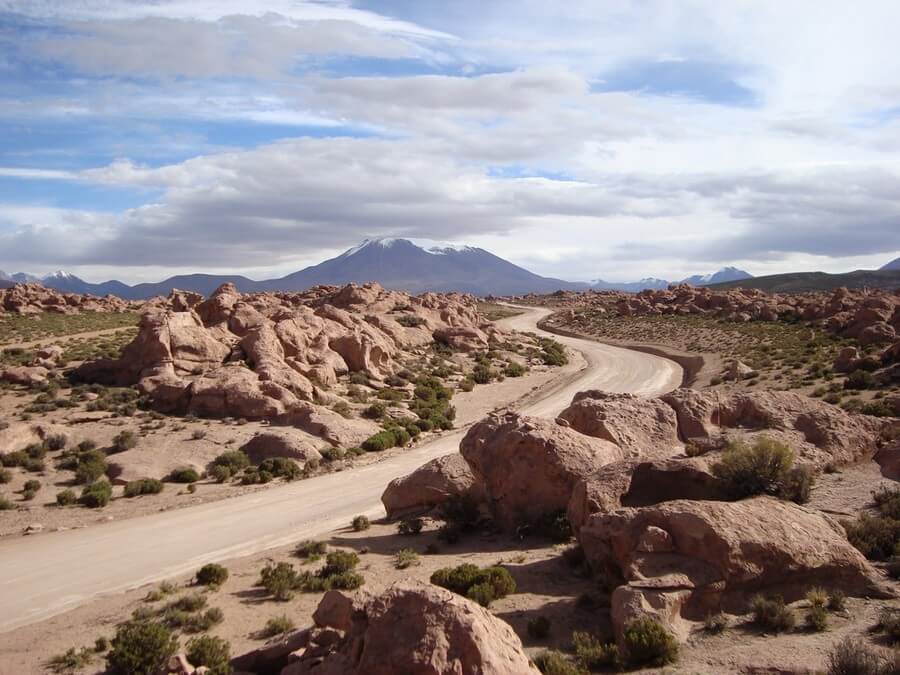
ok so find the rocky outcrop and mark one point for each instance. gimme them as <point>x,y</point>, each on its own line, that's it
<point>413,628</point>
<point>529,466</point>
<point>431,485</point>
<point>641,427</point>
<point>274,356</point>
<point>34,298</point>
<point>269,444</point>
<point>680,560</point>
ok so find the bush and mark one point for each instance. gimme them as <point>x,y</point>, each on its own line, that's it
<point>97,494</point>
<point>6,505</point>
<point>648,643</point>
<point>772,614</point>
<point>874,536</point>
<point>554,526</point>
<point>5,476</point>
<point>490,583</point>
<point>330,454</point>
<point>279,580</point>
<point>220,473</point>
<point>852,656</point>
<point>198,435</point>
<point>753,470</point>
<point>837,601</point>
<point>32,485</point>
<point>184,475</point>
<point>592,654</point>
<point>278,625</point>
<point>817,618</point>
<point>192,602</point>
<point>338,562</point>
<point>311,550</point>
<point>406,558</point>
<point>410,526</point>
<point>375,411</point>
<point>817,597</point>
<point>483,374</point>
<point>140,648</point>
<point>212,652</point>
<point>72,660</point>
<point>281,467</point>
<point>796,485</point>
<point>143,486</point>
<point>233,460</point>
<point>56,442</point>
<point>383,440</point>
<point>715,623</point>
<point>360,523</point>
<point>859,379</point>
<point>539,628</point>
<point>514,369</point>
<point>889,622</point>
<point>212,574</point>
<point>124,440</point>
<point>66,498</point>
<point>90,466</point>
<point>555,663</point>
<point>553,353</point>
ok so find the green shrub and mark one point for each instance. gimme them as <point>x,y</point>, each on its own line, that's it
<point>483,374</point>
<point>212,574</point>
<point>220,473</point>
<point>592,653</point>
<point>233,460</point>
<point>772,614</point>
<point>360,523</point>
<point>338,562</point>
<point>278,625</point>
<point>837,601</point>
<point>330,454</point>
<point>753,470</point>
<point>97,494</point>
<point>468,384</point>
<point>184,475</point>
<point>91,465</point>
<point>539,628</point>
<point>6,505</point>
<point>28,495</point>
<point>482,593</point>
<point>553,353</point>
<point>817,618</point>
<point>491,582</point>
<point>36,450</point>
<point>859,379</point>
<point>281,467</point>
<point>143,486</point>
<point>32,485</point>
<point>410,526</point>
<point>874,536</point>
<point>56,442</point>
<point>715,623</point>
<point>514,369</point>
<point>796,484</point>
<point>647,642</point>
<point>311,550</point>
<point>279,580</point>
<point>406,558</point>
<point>551,662</point>
<point>192,602</point>
<point>124,440</point>
<point>66,498</point>
<point>852,656</point>
<point>140,648</point>
<point>383,440</point>
<point>375,411</point>
<point>212,652</point>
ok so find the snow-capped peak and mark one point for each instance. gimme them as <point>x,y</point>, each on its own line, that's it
<point>445,249</point>
<point>383,242</point>
<point>58,274</point>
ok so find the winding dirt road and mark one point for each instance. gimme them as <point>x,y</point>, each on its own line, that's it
<point>45,575</point>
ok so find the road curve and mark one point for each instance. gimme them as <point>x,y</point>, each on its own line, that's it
<point>45,575</point>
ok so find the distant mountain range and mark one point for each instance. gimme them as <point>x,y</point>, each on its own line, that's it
<point>893,265</point>
<point>801,282</point>
<point>394,263</point>
<point>723,275</point>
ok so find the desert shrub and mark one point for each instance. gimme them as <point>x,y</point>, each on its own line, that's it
<point>311,550</point>
<point>193,622</point>
<point>70,661</point>
<point>551,662</point>
<point>467,384</point>
<point>97,494</point>
<point>143,486</point>
<point>233,460</point>
<point>852,656</point>
<point>338,562</point>
<point>761,468</point>
<point>124,440</point>
<point>5,476</point>
<point>553,353</point>
<point>837,601</point>
<point>483,374</point>
<point>185,474</point>
<point>32,485</point>
<point>539,628</point>
<point>817,618</point>
<point>375,411</point>
<point>859,379</point>
<point>13,459</point>
<point>36,450</point>
<point>212,652</point>
<point>410,320</point>
<point>28,495</point>
<point>34,465</point>
<point>192,602</point>
<point>360,523</point>
<point>592,653</point>
<point>55,442</point>
<point>380,441</point>
<point>406,558</point>
<point>889,623</point>
<point>772,614</point>
<point>198,434</point>
<point>410,526</point>
<point>877,409</point>
<point>281,467</point>
<point>514,369</point>
<point>90,466</point>
<point>715,623</point>
<point>817,597</point>
<point>489,583</point>
<point>277,625</point>
<point>220,474</point>
<point>874,536</point>
<point>212,574</point>
<point>796,484</point>
<point>6,505</point>
<point>887,501</point>
<point>101,644</point>
<point>330,454</point>
<point>66,498</point>
<point>391,395</point>
<point>140,648</point>
<point>647,642</point>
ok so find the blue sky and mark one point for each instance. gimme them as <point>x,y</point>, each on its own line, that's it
<point>585,140</point>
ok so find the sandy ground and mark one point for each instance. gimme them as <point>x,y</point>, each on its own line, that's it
<point>46,574</point>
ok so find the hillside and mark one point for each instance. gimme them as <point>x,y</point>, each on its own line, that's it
<point>799,282</point>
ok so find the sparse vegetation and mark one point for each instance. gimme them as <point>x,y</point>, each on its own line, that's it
<point>143,486</point>
<point>552,662</point>
<point>278,625</point>
<point>592,653</point>
<point>212,652</point>
<point>715,623</point>
<point>97,494</point>
<point>772,614</point>
<point>360,523</point>
<point>852,656</point>
<point>140,648</point>
<point>71,661</point>
<point>648,643</point>
<point>212,574</point>
<point>281,580</point>
<point>184,475</point>
<point>766,467</point>
<point>481,585</point>
<point>406,558</point>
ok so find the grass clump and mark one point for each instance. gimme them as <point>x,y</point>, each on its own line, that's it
<point>648,643</point>
<point>483,585</point>
<point>71,661</point>
<point>837,601</point>
<point>66,497</point>
<point>852,656</point>
<point>212,574</point>
<point>410,526</point>
<point>278,625</point>
<point>817,618</point>
<point>552,662</point>
<point>772,614</point>
<point>406,558</point>
<point>124,440</point>
<point>592,653</point>
<point>360,523</point>
<point>143,486</point>
<point>140,648</point>
<point>766,467</point>
<point>214,653</point>
<point>715,623</point>
<point>311,550</point>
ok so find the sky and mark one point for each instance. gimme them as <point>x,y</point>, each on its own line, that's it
<point>582,140</point>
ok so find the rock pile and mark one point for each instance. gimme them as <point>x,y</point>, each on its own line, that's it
<point>35,299</point>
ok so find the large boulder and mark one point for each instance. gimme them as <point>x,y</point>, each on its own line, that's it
<point>281,443</point>
<point>642,427</point>
<point>431,485</point>
<point>529,466</point>
<point>681,560</point>
<point>412,628</point>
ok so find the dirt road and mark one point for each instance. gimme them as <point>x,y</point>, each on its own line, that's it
<point>45,575</point>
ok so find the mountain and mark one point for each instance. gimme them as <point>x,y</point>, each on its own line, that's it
<point>893,265</point>
<point>400,264</point>
<point>394,263</point>
<point>723,275</point>
<point>800,282</point>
